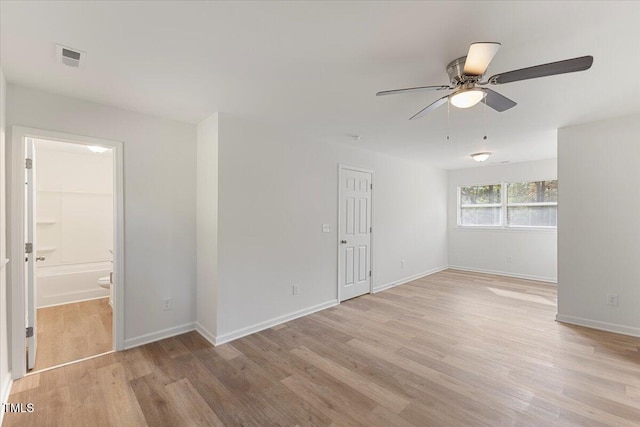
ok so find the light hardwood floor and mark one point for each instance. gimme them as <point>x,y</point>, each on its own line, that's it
<point>73,331</point>
<point>451,349</point>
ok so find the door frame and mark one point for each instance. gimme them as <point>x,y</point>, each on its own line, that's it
<point>341,167</point>
<point>17,241</point>
<point>29,225</point>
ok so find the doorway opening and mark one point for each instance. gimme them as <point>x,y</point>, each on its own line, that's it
<point>67,221</point>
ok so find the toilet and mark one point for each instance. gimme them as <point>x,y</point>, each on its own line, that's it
<point>105,283</point>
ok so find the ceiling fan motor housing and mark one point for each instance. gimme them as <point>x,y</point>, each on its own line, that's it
<point>455,70</point>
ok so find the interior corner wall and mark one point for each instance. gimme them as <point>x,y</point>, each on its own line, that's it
<point>5,375</point>
<point>599,239</point>
<point>275,193</point>
<point>159,202</point>
<point>533,253</point>
<point>207,227</point>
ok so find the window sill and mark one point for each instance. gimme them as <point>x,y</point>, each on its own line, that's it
<point>507,229</point>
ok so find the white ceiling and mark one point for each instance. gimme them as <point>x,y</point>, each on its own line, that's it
<point>314,67</point>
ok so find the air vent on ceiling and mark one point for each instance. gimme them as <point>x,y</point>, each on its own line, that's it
<point>69,56</point>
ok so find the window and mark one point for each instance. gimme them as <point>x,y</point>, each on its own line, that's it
<point>481,205</point>
<point>526,204</point>
<point>532,204</point>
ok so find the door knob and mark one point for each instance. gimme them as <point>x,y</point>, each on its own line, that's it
<point>343,241</point>
<point>40,258</point>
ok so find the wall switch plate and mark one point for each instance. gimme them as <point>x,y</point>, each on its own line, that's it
<point>612,299</point>
<point>403,263</point>
<point>167,303</point>
<point>326,228</point>
<point>295,289</point>
<point>509,259</point>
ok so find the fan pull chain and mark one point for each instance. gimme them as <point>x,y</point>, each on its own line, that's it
<point>448,126</point>
<point>484,120</point>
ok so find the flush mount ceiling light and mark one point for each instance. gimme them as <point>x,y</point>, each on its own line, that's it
<point>467,98</point>
<point>96,149</point>
<point>481,157</point>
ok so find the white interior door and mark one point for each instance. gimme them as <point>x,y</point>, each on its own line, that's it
<point>31,253</point>
<point>354,266</point>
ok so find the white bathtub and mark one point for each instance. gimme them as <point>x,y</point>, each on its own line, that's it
<point>64,284</point>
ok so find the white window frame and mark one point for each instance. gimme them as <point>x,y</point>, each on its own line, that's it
<point>504,197</point>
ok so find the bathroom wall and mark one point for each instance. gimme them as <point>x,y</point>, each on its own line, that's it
<point>74,221</point>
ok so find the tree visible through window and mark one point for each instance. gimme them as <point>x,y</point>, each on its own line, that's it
<point>532,204</point>
<point>481,205</point>
<point>527,204</point>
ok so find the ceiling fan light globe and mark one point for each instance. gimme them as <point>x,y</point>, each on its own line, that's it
<point>481,157</point>
<point>467,98</point>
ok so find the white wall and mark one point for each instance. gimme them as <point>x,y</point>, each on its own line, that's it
<point>533,252</point>
<point>74,221</point>
<point>599,239</point>
<point>159,202</point>
<point>276,191</point>
<point>5,375</point>
<point>207,227</point>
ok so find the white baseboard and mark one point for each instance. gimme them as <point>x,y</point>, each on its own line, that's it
<point>71,297</point>
<point>505,273</point>
<point>73,302</point>
<point>597,324</point>
<point>408,279</point>
<point>5,391</point>
<point>159,335</point>
<point>206,334</point>
<point>230,336</point>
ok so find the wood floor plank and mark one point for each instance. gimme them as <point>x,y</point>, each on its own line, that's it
<point>119,400</point>
<point>191,406</point>
<point>157,406</point>
<point>213,392</point>
<point>73,331</point>
<point>173,347</point>
<point>383,397</point>
<point>27,383</point>
<point>343,410</point>
<point>451,349</point>
<point>227,351</point>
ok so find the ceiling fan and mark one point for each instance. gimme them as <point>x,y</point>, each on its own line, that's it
<point>466,75</point>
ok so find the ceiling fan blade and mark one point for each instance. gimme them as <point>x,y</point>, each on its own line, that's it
<point>561,67</point>
<point>498,102</point>
<point>411,89</point>
<point>479,57</point>
<point>430,107</point>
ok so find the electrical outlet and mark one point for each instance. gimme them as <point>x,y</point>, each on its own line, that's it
<point>509,259</point>
<point>402,263</point>
<point>167,303</point>
<point>612,299</point>
<point>295,289</point>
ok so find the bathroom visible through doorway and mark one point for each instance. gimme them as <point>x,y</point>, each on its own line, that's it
<point>70,228</point>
